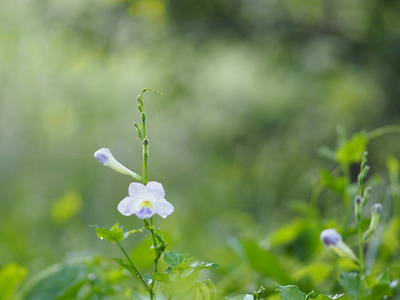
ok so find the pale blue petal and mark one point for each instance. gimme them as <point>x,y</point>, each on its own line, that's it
<point>103,155</point>
<point>128,206</point>
<point>163,208</point>
<point>155,190</point>
<point>137,190</point>
<point>144,212</point>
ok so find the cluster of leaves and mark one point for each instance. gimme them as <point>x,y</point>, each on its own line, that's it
<point>355,286</point>
<point>179,280</point>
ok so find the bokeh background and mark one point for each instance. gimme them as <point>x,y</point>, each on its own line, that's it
<point>252,89</point>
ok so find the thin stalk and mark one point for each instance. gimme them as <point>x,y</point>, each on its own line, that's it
<point>360,247</point>
<point>382,131</point>
<point>138,275</point>
<point>346,196</point>
<point>148,224</point>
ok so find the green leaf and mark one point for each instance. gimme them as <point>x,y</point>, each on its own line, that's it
<point>379,291</point>
<point>61,281</point>
<point>123,264</point>
<point>351,150</point>
<point>203,265</point>
<point>10,277</point>
<point>384,277</point>
<point>162,277</point>
<point>173,259</point>
<point>336,184</point>
<point>270,267</point>
<point>201,291</point>
<point>115,233</point>
<point>328,153</point>
<point>334,297</point>
<point>352,284</point>
<point>241,297</point>
<point>290,292</point>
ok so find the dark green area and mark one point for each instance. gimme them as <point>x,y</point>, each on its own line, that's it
<point>252,91</point>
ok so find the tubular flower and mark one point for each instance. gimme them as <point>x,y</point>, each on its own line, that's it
<point>145,201</point>
<point>104,156</point>
<point>332,239</point>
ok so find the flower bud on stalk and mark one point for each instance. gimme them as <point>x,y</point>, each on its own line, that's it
<point>357,208</point>
<point>332,239</point>
<point>104,156</point>
<point>138,130</point>
<point>366,195</point>
<point>376,211</point>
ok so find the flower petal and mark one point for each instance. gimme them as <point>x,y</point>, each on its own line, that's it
<point>155,190</point>
<point>137,190</point>
<point>144,212</point>
<point>103,155</point>
<point>128,206</point>
<point>163,208</point>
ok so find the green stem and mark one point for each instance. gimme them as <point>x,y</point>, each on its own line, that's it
<point>148,224</point>
<point>138,275</point>
<point>346,196</point>
<point>382,131</point>
<point>360,248</point>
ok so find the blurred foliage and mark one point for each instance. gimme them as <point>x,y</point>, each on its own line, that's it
<point>252,90</point>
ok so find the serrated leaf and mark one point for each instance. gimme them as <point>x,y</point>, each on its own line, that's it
<point>173,259</point>
<point>290,292</point>
<point>352,284</point>
<point>115,233</point>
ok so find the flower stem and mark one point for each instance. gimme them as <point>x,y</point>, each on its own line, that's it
<point>138,275</point>
<point>360,248</point>
<point>149,224</point>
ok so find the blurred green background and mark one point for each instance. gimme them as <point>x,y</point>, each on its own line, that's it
<point>251,90</point>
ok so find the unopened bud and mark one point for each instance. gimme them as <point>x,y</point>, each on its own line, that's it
<point>107,159</point>
<point>357,208</point>
<point>366,195</point>
<point>376,211</point>
<point>332,239</point>
<point>146,142</point>
<point>140,108</point>
<point>376,208</point>
<point>143,117</point>
<point>139,98</point>
<point>138,129</point>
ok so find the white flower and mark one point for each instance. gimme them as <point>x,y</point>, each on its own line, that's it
<point>332,239</point>
<point>107,159</point>
<point>145,201</point>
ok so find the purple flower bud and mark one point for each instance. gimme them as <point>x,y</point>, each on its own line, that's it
<point>103,155</point>
<point>376,208</point>
<point>330,237</point>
